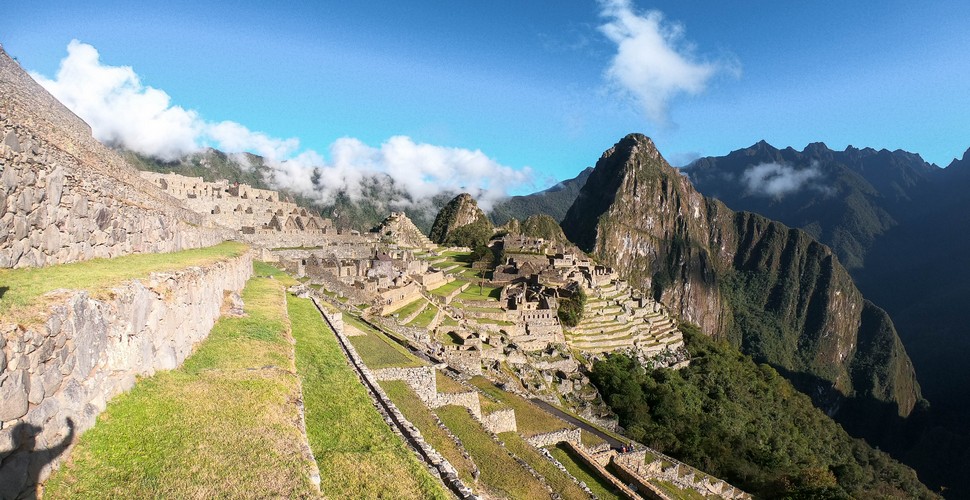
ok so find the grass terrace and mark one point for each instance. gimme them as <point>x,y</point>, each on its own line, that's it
<point>227,416</point>
<point>500,473</point>
<point>476,292</point>
<point>425,318</point>
<point>418,414</point>
<point>530,419</point>
<point>560,482</point>
<point>600,487</point>
<point>676,493</point>
<point>376,349</point>
<point>447,384</point>
<point>447,288</point>
<point>410,308</point>
<point>358,454</point>
<point>22,291</point>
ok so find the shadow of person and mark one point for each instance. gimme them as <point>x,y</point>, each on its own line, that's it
<point>22,463</point>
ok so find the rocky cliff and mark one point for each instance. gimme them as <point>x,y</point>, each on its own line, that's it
<point>775,291</point>
<point>461,223</point>
<point>399,229</point>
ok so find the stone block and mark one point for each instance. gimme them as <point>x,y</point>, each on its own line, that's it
<point>13,393</point>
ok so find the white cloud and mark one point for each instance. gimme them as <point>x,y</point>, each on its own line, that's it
<point>653,63</point>
<point>120,110</point>
<point>124,112</point>
<point>776,180</point>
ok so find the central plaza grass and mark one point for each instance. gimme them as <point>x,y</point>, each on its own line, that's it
<point>358,454</point>
<point>22,299</point>
<point>224,425</point>
<point>500,473</point>
<point>447,288</point>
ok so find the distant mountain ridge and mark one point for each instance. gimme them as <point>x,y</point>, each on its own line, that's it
<point>845,199</point>
<point>776,292</point>
<point>553,202</point>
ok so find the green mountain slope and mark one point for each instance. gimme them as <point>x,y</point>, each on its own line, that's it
<point>553,202</point>
<point>774,291</point>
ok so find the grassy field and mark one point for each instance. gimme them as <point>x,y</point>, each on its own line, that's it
<point>425,318</point>
<point>447,288</point>
<point>602,488</point>
<point>410,308</point>
<point>21,290</point>
<point>530,419</point>
<point>560,482</point>
<point>500,473</point>
<point>358,454</point>
<point>476,292</point>
<point>221,426</point>
<point>418,414</point>
<point>378,351</point>
<point>448,385</point>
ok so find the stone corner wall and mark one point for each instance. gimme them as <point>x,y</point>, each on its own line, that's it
<point>91,350</point>
<point>500,421</point>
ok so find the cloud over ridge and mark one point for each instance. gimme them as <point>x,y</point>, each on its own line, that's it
<point>775,180</point>
<point>124,112</point>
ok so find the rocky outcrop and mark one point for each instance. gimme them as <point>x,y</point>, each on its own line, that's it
<point>397,228</point>
<point>89,350</point>
<point>543,226</point>
<point>461,223</point>
<point>65,197</point>
<point>777,292</point>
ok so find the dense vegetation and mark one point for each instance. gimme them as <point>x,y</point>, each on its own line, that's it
<point>571,308</point>
<point>742,421</point>
<point>553,202</point>
<point>543,226</point>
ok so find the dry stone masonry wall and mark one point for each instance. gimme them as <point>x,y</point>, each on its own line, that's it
<point>89,350</point>
<point>65,197</point>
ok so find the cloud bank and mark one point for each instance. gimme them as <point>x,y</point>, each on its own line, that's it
<point>653,63</point>
<point>775,180</point>
<point>124,112</point>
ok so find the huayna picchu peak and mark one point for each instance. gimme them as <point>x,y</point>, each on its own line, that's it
<point>775,292</point>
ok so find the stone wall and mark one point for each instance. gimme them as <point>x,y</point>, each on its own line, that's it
<point>65,197</point>
<point>500,421</point>
<point>555,437</point>
<point>88,351</point>
<point>420,379</point>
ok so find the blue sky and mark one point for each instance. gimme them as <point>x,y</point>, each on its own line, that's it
<point>529,84</point>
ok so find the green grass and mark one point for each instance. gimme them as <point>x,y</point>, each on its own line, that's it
<point>475,292</point>
<point>449,321</point>
<point>410,308</point>
<point>676,493</point>
<point>500,473</point>
<point>448,385</point>
<point>418,414</point>
<point>425,318</point>
<point>447,288</point>
<point>221,426</point>
<point>22,301</point>
<point>377,350</point>
<point>559,481</point>
<point>358,454</point>
<point>600,487</point>
<point>530,419</point>
<point>490,406</point>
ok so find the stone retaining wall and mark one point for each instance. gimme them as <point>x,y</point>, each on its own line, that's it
<point>500,421</point>
<point>556,437</point>
<point>65,197</point>
<point>90,350</point>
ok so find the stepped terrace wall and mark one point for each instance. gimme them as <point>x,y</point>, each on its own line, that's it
<point>65,197</point>
<point>89,350</point>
